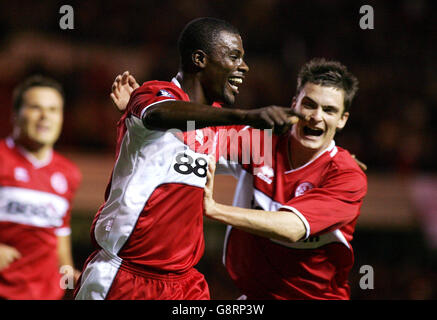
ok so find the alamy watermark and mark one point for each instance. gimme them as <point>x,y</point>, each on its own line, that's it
<point>67,19</point>
<point>67,278</point>
<point>368,18</point>
<point>367,281</point>
<point>234,145</point>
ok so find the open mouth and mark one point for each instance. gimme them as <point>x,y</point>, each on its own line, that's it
<point>234,82</point>
<point>43,128</point>
<point>312,131</point>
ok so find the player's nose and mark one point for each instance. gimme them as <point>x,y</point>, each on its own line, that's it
<point>316,114</point>
<point>243,67</point>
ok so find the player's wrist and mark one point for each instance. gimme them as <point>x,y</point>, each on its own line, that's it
<point>239,116</point>
<point>210,207</point>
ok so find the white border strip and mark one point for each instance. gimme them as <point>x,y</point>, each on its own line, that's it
<point>63,232</point>
<point>225,245</point>
<point>152,104</point>
<point>98,276</point>
<point>301,217</point>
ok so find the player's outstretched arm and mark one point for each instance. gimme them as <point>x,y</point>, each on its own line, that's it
<point>7,255</point>
<point>121,90</point>
<point>175,114</point>
<point>278,225</point>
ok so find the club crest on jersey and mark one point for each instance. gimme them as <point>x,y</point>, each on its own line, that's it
<point>302,188</point>
<point>21,174</point>
<point>59,182</point>
<point>164,93</point>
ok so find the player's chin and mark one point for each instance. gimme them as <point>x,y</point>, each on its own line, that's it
<point>311,143</point>
<point>229,98</point>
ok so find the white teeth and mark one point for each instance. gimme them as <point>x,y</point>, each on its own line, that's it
<point>235,81</point>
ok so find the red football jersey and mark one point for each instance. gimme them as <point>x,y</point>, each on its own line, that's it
<point>152,219</point>
<point>326,194</point>
<point>35,205</point>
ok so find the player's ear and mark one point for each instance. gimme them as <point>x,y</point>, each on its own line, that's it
<point>293,103</point>
<point>14,117</point>
<point>199,58</point>
<point>342,122</point>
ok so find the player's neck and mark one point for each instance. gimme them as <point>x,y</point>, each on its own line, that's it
<point>35,150</point>
<point>298,155</point>
<point>192,86</point>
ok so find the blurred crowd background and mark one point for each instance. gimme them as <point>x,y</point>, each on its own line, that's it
<point>391,128</point>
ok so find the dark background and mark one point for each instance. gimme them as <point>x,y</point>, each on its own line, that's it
<point>391,127</point>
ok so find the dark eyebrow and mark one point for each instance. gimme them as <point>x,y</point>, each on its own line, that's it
<point>311,101</point>
<point>237,51</point>
<point>336,109</point>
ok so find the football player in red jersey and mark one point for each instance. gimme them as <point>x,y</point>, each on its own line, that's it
<point>36,190</point>
<point>311,195</point>
<point>292,222</point>
<point>149,232</point>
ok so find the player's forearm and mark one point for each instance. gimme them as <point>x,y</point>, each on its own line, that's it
<point>278,225</point>
<point>175,114</point>
<point>65,256</point>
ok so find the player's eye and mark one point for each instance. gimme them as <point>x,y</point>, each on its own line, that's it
<point>330,110</point>
<point>309,105</point>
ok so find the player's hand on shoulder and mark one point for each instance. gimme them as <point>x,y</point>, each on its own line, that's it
<point>362,165</point>
<point>122,88</point>
<point>280,119</point>
<point>7,255</point>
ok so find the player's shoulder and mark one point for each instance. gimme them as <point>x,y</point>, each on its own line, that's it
<point>4,144</point>
<point>345,172</point>
<point>343,161</point>
<point>7,147</point>
<point>7,143</point>
<point>160,88</point>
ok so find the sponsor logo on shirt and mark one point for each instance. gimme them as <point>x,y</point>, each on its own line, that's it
<point>313,242</point>
<point>302,188</point>
<point>21,174</point>
<point>30,209</point>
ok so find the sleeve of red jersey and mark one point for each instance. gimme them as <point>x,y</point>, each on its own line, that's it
<point>74,182</point>
<point>149,94</point>
<point>334,204</point>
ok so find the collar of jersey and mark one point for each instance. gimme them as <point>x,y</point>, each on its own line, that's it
<point>332,149</point>
<point>29,157</point>
<point>176,82</point>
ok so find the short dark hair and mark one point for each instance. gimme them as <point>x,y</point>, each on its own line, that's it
<point>30,82</point>
<point>329,73</point>
<point>200,33</point>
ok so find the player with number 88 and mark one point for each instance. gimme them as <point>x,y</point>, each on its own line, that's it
<point>148,233</point>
